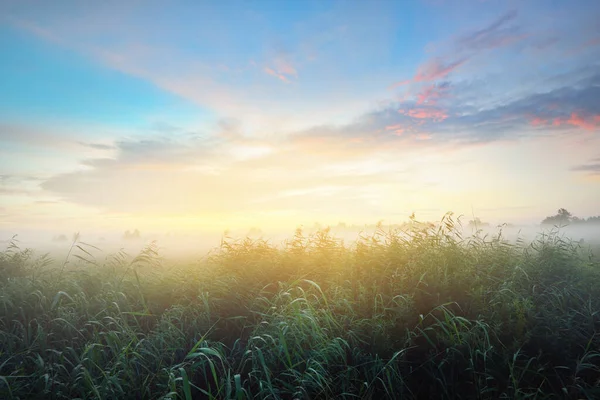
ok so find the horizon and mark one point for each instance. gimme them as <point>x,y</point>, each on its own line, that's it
<point>188,245</point>
<point>203,117</point>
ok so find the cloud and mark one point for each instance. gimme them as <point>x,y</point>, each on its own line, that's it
<point>8,178</point>
<point>398,129</point>
<point>423,136</point>
<point>166,170</point>
<point>98,146</point>
<point>34,28</point>
<point>228,155</point>
<point>497,34</point>
<point>247,88</point>
<point>285,67</point>
<point>593,167</point>
<point>573,103</point>
<point>466,47</point>
<point>590,122</point>
<point>436,69</point>
<point>14,192</point>
<point>170,176</point>
<point>432,93</point>
<point>280,64</point>
<point>19,185</point>
<point>279,76</point>
<point>37,135</point>
<point>425,113</point>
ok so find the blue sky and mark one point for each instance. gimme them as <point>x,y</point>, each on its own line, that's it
<point>240,113</point>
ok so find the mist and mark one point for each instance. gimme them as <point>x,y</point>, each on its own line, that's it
<point>193,245</point>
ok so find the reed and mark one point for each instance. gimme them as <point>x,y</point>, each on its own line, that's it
<point>400,314</point>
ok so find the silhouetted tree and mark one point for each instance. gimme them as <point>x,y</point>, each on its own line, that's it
<point>562,217</point>
<point>477,223</point>
<point>132,235</point>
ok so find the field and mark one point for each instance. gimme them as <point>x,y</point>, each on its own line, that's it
<point>418,313</point>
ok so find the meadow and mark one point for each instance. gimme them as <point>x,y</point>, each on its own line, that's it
<point>422,312</point>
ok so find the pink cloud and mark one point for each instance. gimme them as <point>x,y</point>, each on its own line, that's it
<point>435,69</point>
<point>393,127</point>
<point>537,121</point>
<point>282,69</point>
<point>432,70</point>
<point>286,68</point>
<point>494,35</point>
<point>401,83</point>
<point>575,119</point>
<point>579,121</point>
<point>397,129</point>
<point>279,76</point>
<point>426,95</point>
<point>425,113</point>
<point>431,94</point>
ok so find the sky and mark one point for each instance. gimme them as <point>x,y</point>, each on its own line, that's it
<point>198,115</point>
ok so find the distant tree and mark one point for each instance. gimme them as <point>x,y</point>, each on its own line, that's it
<point>131,235</point>
<point>59,238</point>
<point>477,223</point>
<point>562,217</point>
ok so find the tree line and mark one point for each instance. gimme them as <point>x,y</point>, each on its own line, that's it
<point>564,217</point>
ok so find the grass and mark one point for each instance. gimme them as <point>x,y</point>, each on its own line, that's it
<point>419,313</point>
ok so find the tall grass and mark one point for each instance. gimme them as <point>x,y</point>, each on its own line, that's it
<point>419,313</point>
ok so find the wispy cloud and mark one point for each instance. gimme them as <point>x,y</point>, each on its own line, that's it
<point>398,129</point>
<point>592,167</point>
<point>19,185</point>
<point>36,29</point>
<point>279,76</point>
<point>467,46</point>
<point>573,105</point>
<point>282,67</point>
<point>590,122</point>
<point>431,94</point>
<point>245,89</point>
<point>425,113</point>
<point>176,175</point>
<point>98,146</point>
<point>497,34</point>
<point>436,69</point>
